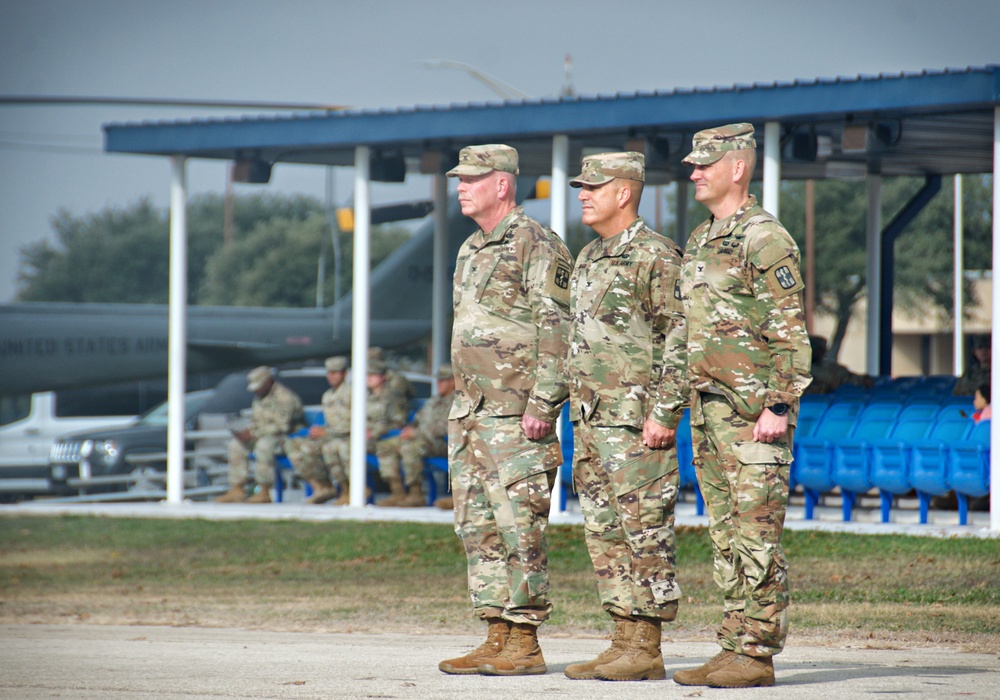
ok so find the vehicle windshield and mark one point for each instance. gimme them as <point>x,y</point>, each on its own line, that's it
<point>193,402</point>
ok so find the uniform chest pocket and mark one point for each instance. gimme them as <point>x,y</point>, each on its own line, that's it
<point>498,287</point>
<point>614,307</point>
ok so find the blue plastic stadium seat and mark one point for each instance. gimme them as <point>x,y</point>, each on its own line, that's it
<point>929,473</point>
<point>890,457</point>
<point>852,455</point>
<point>566,468</point>
<point>812,467</point>
<point>685,461</point>
<point>958,408</point>
<point>969,467</point>
<point>432,465</point>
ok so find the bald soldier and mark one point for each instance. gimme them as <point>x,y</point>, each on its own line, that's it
<point>627,392</point>
<point>511,300</point>
<point>748,364</point>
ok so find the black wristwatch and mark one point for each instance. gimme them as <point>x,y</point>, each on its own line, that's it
<point>778,409</point>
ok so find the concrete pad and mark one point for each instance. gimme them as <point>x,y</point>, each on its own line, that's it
<point>89,662</point>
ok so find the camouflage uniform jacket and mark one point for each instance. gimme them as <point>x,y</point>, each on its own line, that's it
<point>431,420</point>
<point>402,394</point>
<point>337,410</point>
<point>511,299</point>
<point>747,337</point>
<point>384,412</point>
<point>627,351</point>
<point>975,376</point>
<point>278,413</point>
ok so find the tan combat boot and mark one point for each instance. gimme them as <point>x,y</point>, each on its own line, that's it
<point>415,498</point>
<point>236,494</point>
<point>445,503</point>
<point>345,494</point>
<point>744,672</point>
<point>497,633</point>
<point>642,660</point>
<point>396,492</point>
<point>521,655</point>
<point>619,643</point>
<point>699,676</point>
<point>262,495</point>
<point>323,491</point>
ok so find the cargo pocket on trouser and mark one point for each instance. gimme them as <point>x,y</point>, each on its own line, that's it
<point>762,498</point>
<point>639,487</point>
<point>762,480</point>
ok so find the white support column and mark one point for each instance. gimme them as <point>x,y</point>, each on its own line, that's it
<point>772,167</point>
<point>958,364</point>
<point>873,273</point>
<point>558,201</point>
<point>177,331</point>
<point>995,339</point>
<point>440,340</point>
<point>359,325</point>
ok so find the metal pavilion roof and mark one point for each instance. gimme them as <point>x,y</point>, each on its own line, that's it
<point>931,122</point>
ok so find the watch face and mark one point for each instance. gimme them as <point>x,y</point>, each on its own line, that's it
<point>779,409</point>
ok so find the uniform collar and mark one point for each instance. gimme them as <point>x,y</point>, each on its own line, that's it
<point>498,234</point>
<point>618,244</point>
<point>733,221</point>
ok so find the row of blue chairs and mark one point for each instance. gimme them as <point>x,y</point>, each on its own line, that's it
<point>895,447</point>
<point>923,445</point>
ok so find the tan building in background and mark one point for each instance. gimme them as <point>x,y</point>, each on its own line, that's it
<point>921,345</point>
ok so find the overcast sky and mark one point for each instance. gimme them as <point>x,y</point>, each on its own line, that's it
<point>371,53</point>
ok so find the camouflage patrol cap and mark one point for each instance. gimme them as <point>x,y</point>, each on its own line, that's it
<point>376,365</point>
<point>375,352</point>
<point>710,145</point>
<point>445,371</point>
<point>480,160</point>
<point>336,364</point>
<point>258,376</point>
<point>605,167</point>
<point>981,341</point>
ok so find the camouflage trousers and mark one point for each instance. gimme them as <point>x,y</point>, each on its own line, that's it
<point>265,449</point>
<point>745,486</point>
<point>394,450</point>
<point>502,488</point>
<point>627,495</point>
<point>306,455</point>
<point>337,455</point>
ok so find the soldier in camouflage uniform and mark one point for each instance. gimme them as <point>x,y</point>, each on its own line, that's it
<point>425,436</point>
<point>384,413</point>
<point>275,412</point>
<point>511,299</point>
<point>748,364</point>
<point>978,373</point>
<point>397,385</point>
<point>306,453</point>
<point>627,391</point>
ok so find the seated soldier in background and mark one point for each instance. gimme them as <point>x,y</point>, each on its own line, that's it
<point>977,373</point>
<point>398,386</point>
<point>424,437</point>
<point>828,374</point>
<point>306,453</point>
<point>385,413</point>
<point>275,412</point>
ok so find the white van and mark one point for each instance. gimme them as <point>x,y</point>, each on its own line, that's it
<point>30,423</point>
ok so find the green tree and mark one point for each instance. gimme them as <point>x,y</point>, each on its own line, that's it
<point>121,254</point>
<point>923,252</point>
<point>113,255</point>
